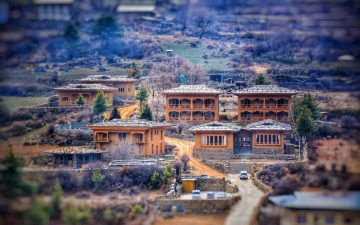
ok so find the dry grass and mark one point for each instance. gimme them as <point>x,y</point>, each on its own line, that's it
<point>191,219</point>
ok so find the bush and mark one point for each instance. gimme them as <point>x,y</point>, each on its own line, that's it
<point>138,209</point>
<point>285,186</point>
<point>38,214</point>
<point>73,215</point>
<point>17,129</point>
<point>67,180</point>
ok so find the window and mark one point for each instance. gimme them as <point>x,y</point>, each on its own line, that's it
<point>64,99</point>
<point>121,89</point>
<point>129,89</point>
<point>151,135</point>
<point>220,140</point>
<point>122,136</point>
<point>161,149</point>
<point>261,139</point>
<point>265,137</point>
<point>161,135</point>
<point>211,140</point>
<point>101,136</point>
<point>330,219</point>
<point>216,140</point>
<point>301,219</point>
<point>152,148</point>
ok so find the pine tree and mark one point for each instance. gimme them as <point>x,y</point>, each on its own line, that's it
<point>142,94</point>
<point>80,100</point>
<point>99,104</point>
<point>306,101</point>
<point>115,114</point>
<point>261,80</point>
<point>146,113</point>
<point>305,123</point>
<point>134,71</point>
<point>71,32</point>
<point>56,200</point>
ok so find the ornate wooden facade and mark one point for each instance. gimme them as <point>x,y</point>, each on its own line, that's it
<point>192,103</point>
<point>143,138</point>
<point>264,102</point>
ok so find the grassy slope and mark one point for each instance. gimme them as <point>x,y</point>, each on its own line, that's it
<point>14,103</point>
<point>194,55</point>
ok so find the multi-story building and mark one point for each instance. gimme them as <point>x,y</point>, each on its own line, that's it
<point>224,140</point>
<point>316,208</point>
<point>143,137</point>
<point>125,86</point>
<point>264,102</point>
<point>192,103</point>
<point>68,95</point>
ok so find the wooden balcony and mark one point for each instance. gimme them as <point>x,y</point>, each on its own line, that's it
<point>185,106</point>
<point>209,106</point>
<point>102,139</point>
<point>198,106</point>
<point>174,106</point>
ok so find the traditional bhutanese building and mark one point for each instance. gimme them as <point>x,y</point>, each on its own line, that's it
<point>146,136</point>
<point>125,86</point>
<point>69,94</point>
<point>192,103</point>
<point>340,208</point>
<point>263,137</point>
<point>55,10</point>
<point>224,140</point>
<point>264,102</point>
<point>214,135</point>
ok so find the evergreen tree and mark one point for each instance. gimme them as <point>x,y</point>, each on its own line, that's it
<point>97,177</point>
<point>99,104</point>
<point>142,94</point>
<point>115,114</point>
<point>306,101</point>
<point>107,26</point>
<point>155,180</point>
<point>80,100</point>
<point>12,184</point>
<point>261,80</point>
<point>305,123</point>
<point>71,32</point>
<point>134,71</point>
<point>56,200</point>
<point>146,113</point>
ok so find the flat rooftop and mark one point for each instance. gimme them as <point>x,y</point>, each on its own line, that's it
<point>192,89</point>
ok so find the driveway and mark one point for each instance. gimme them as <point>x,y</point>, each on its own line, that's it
<point>243,211</point>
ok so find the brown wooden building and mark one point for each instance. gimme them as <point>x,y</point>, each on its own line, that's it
<point>225,139</point>
<point>69,94</point>
<point>192,103</point>
<point>125,86</point>
<point>264,102</point>
<point>146,137</point>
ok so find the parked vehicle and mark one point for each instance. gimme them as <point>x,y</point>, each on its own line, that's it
<point>172,187</point>
<point>221,195</point>
<point>210,195</point>
<point>195,194</point>
<point>204,176</point>
<point>243,175</point>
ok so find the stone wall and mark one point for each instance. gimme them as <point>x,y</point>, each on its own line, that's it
<point>219,165</point>
<point>197,206</point>
<point>211,184</point>
<point>208,154</point>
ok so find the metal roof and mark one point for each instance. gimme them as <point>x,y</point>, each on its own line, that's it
<point>216,126</point>
<point>319,200</point>
<point>130,123</point>
<point>74,150</point>
<point>79,87</point>
<point>107,78</point>
<point>52,2</point>
<point>266,89</point>
<point>268,124</point>
<point>192,89</point>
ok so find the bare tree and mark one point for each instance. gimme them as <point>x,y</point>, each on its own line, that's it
<point>125,150</point>
<point>202,20</point>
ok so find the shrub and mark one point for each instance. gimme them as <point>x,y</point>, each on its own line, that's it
<point>138,209</point>
<point>17,129</point>
<point>56,200</point>
<point>97,177</point>
<point>73,215</point>
<point>38,214</point>
<point>20,116</point>
<point>107,215</point>
<point>285,186</point>
<point>67,180</point>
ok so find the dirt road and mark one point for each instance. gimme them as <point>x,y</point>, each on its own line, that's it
<point>244,210</point>
<point>126,112</point>
<point>186,147</point>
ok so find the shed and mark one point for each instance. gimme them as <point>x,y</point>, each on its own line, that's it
<point>188,184</point>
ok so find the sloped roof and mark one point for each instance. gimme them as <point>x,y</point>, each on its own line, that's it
<point>268,124</point>
<point>52,2</point>
<point>107,78</point>
<point>192,89</point>
<point>130,123</point>
<point>74,150</point>
<point>136,6</point>
<point>87,87</point>
<point>215,126</point>
<point>266,89</point>
<point>319,200</point>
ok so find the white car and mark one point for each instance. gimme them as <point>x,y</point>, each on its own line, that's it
<point>243,175</point>
<point>195,194</point>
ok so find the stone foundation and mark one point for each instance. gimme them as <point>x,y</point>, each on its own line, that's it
<point>213,154</point>
<point>270,151</point>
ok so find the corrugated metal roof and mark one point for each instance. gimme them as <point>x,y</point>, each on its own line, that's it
<point>268,124</point>
<point>105,78</point>
<point>52,2</point>
<point>216,126</point>
<point>99,87</point>
<point>130,123</point>
<point>267,89</point>
<point>319,200</point>
<point>75,150</point>
<point>192,89</point>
